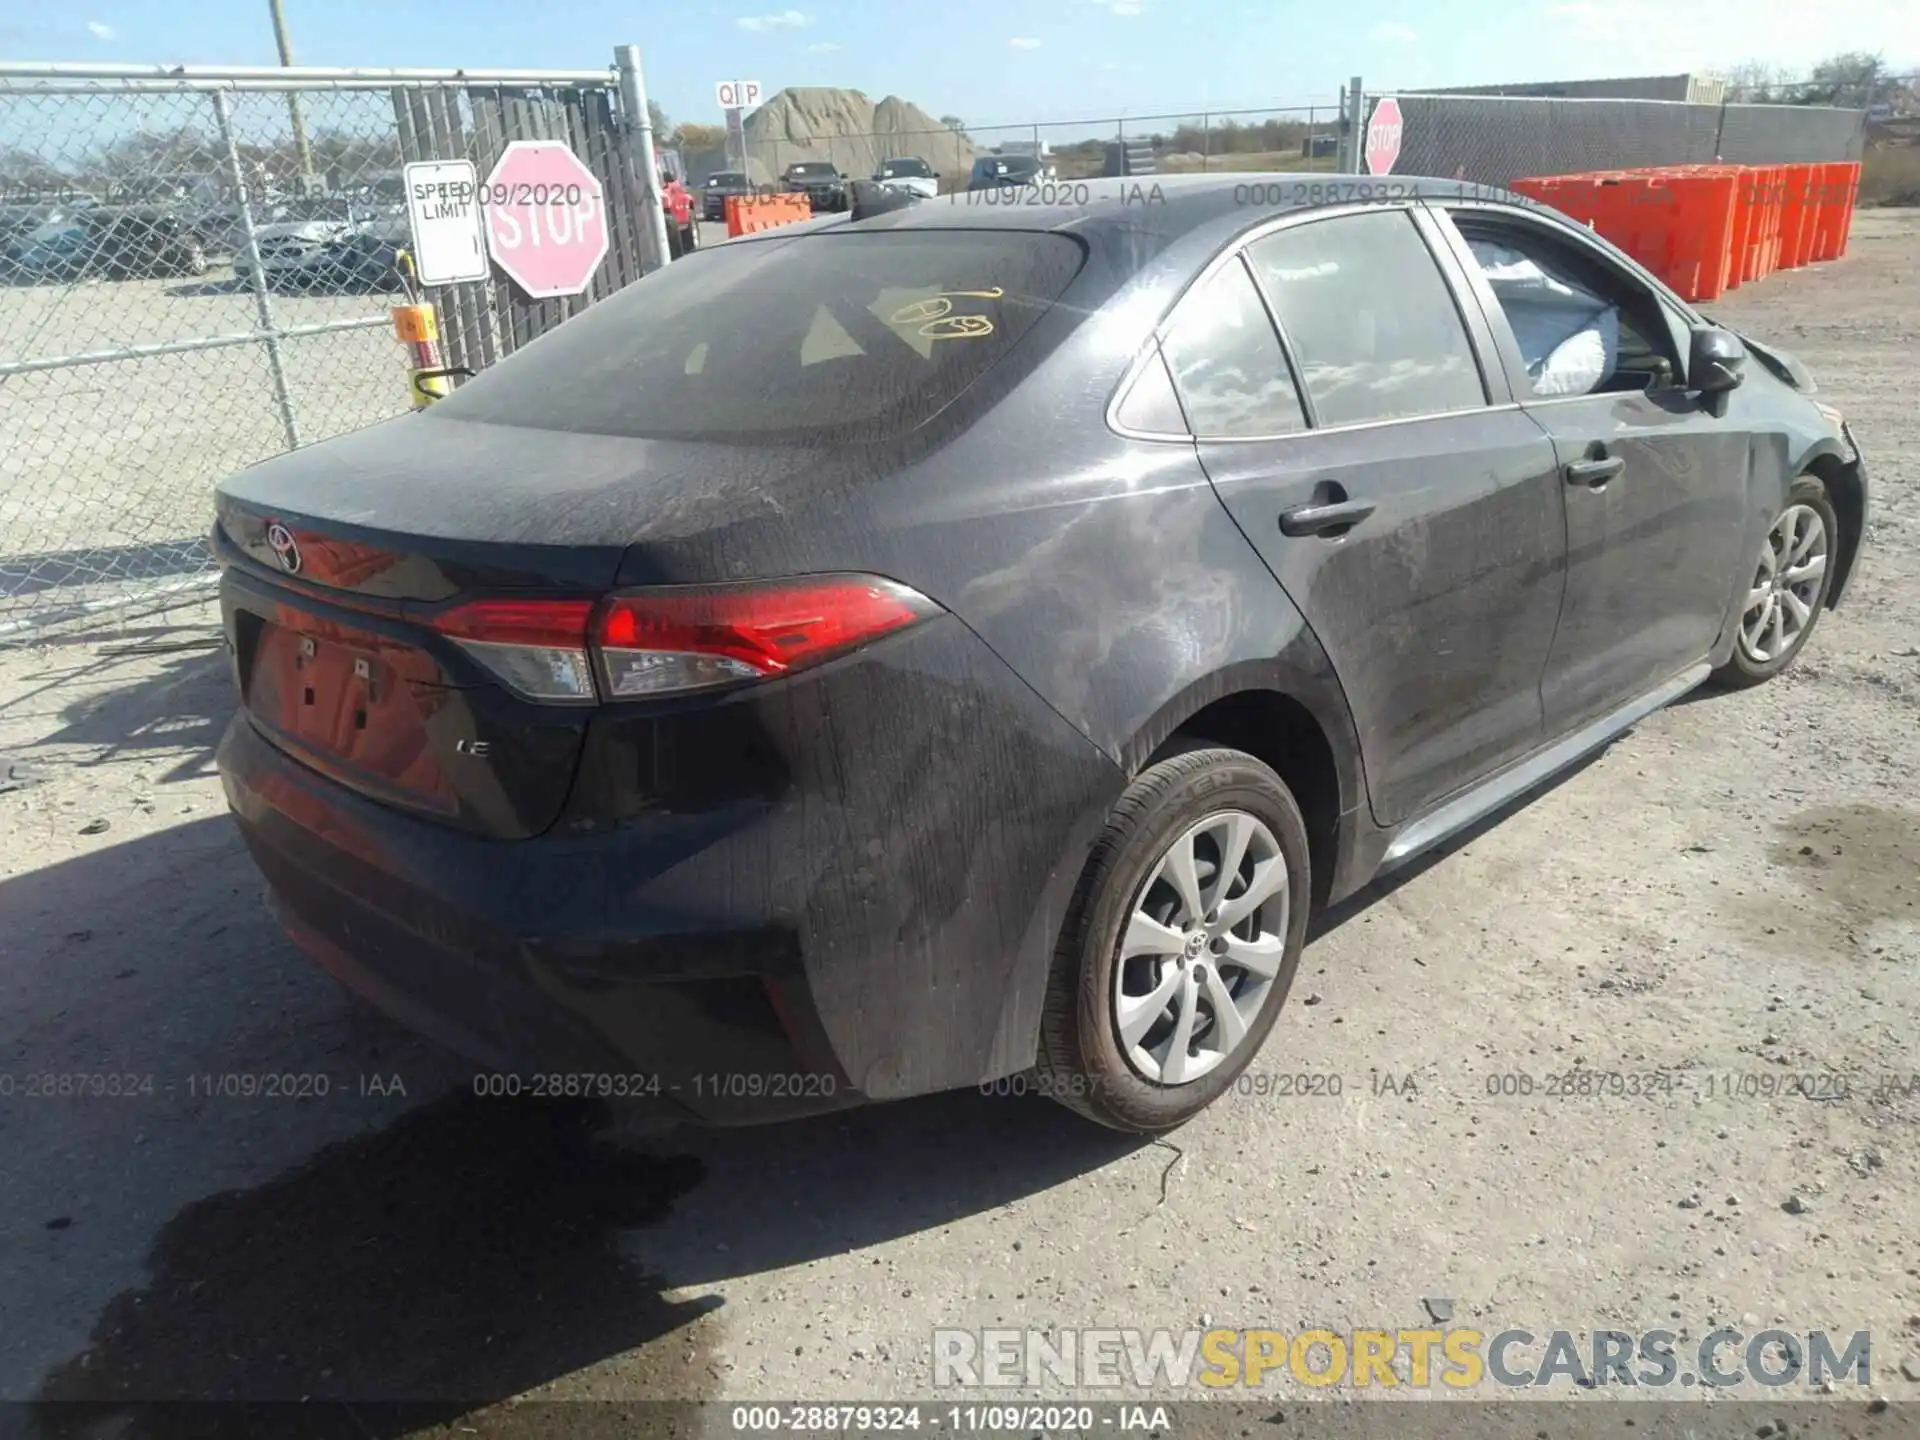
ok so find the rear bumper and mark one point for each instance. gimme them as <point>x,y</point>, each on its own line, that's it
<point>859,902</point>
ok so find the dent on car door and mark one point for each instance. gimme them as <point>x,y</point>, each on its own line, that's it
<point>1415,525</point>
<point>1656,486</point>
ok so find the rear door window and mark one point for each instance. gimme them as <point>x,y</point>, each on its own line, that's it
<point>1227,363</point>
<point>816,339</point>
<point>1370,319</point>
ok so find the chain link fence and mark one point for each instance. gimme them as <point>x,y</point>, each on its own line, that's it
<point>197,272</point>
<point>196,267</point>
<point>1493,139</point>
<point>1302,137</point>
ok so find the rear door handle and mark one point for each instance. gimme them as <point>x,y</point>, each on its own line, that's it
<point>1595,473</point>
<point>1319,519</point>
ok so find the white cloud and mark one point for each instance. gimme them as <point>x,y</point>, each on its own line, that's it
<point>100,30</point>
<point>822,47</point>
<point>781,20</point>
<point>1024,42</point>
<point>1392,32</point>
<point>1127,7</point>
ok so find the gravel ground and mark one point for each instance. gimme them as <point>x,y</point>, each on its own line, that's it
<point>1727,893</point>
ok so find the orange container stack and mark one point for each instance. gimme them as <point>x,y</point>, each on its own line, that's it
<point>1705,229</point>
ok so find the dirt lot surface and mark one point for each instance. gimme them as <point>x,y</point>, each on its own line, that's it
<point>1727,894</point>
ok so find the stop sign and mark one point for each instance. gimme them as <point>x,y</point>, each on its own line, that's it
<point>546,218</point>
<point>1383,137</point>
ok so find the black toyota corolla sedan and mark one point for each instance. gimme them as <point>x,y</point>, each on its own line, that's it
<point>890,654</point>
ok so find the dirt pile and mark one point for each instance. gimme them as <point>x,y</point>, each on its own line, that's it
<point>817,122</point>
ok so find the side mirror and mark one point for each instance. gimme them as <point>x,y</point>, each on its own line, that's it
<point>1718,362</point>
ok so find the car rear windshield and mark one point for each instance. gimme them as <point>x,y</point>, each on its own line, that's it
<point>813,339</point>
<point>904,168</point>
<point>727,177</point>
<point>815,170</point>
<point>1019,167</point>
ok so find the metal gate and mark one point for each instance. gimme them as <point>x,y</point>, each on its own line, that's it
<point>196,274</point>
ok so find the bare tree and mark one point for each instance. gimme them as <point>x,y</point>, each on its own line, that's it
<point>1757,83</point>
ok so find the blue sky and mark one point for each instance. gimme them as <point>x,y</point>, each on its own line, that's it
<point>993,61</point>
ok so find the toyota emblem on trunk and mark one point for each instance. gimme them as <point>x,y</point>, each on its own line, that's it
<point>284,548</point>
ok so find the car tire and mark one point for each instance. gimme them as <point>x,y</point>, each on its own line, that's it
<point>1130,896</point>
<point>1778,615</point>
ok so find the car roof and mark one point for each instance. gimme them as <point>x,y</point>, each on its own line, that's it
<point>1173,204</point>
<point>1131,220</point>
<point>1168,206</point>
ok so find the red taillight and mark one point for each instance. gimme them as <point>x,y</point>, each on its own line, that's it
<point>686,638</point>
<point>537,647</point>
<point>518,622</point>
<point>679,638</point>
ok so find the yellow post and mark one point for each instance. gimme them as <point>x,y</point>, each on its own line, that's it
<point>419,328</point>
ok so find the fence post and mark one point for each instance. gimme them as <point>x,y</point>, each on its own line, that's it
<point>638,129</point>
<point>1354,140</point>
<point>256,273</point>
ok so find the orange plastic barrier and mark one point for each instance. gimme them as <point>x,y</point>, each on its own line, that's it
<point>1838,189</point>
<point>1705,229</point>
<point>748,215</point>
<point>1797,247</point>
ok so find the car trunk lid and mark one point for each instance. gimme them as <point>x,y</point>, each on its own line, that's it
<point>340,559</point>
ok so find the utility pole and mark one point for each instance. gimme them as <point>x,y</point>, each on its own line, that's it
<point>301,150</point>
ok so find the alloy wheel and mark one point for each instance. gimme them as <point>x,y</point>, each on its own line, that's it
<point>1786,587</point>
<point>1202,946</point>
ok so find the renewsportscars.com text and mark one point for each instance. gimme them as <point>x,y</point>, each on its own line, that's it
<point>1459,1359</point>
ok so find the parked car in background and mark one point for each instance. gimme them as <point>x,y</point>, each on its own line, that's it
<point>769,675</point>
<point>996,172</point>
<point>138,242</point>
<point>366,259</point>
<point>52,251</point>
<point>41,240</point>
<point>297,251</point>
<point>720,185</point>
<point>820,181</point>
<point>911,174</point>
<point>18,222</point>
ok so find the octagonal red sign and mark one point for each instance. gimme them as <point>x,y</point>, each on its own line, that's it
<point>546,218</point>
<point>1382,147</point>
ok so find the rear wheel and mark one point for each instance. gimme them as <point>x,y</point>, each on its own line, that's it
<point>1180,944</point>
<point>1788,588</point>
